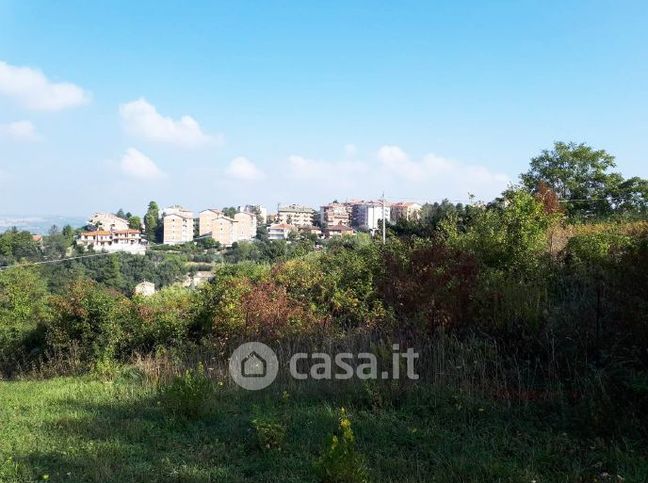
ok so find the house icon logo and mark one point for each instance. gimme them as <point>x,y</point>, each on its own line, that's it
<point>253,366</point>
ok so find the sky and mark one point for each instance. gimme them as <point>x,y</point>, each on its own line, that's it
<point>108,105</point>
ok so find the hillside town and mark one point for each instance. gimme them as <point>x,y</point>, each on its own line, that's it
<point>112,233</point>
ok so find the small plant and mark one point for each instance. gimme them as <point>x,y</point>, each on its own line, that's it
<point>341,462</point>
<point>189,395</point>
<point>270,434</point>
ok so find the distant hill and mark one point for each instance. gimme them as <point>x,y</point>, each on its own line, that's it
<point>39,223</point>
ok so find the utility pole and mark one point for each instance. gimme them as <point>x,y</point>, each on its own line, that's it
<point>383,217</point>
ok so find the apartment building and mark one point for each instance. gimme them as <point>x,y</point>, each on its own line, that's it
<point>280,231</point>
<point>113,241</point>
<point>178,225</point>
<point>297,215</point>
<point>405,210</point>
<point>108,222</point>
<point>335,214</point>
<point>227,230</point>
<point>369,214</point>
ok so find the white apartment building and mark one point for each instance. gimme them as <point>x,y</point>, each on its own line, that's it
<point>280,231</point>
<point>297,215</point>
<point>129,241</point>
<point>178,225</point>
<point>369,214</point>
<point>108,222</point>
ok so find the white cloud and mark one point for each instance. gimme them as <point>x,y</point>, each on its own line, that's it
<point>32,89</point>
<point>19,131</point>
<point>140,118</point>
<point>136,164</point>
<point>325,171</point>
<point>444,176</point>
<point>244,169</point>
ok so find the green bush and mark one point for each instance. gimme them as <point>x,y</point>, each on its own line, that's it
<point>270,433</point>
<point>341,462</point>
<point>189,396</point>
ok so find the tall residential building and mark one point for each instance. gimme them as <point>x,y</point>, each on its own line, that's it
<point>405,210</point>
<point>297,215</point>
<point>108,222</point>
<point>335,214</point>
<point>178,225</point>
<point>369,214</point>
<point>226,230</point>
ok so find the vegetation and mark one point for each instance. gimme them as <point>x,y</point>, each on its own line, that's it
<point>528,313</point>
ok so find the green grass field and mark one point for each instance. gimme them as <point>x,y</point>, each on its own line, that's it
<point>82,429</point>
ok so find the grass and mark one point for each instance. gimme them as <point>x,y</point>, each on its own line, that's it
<point>81,429</point>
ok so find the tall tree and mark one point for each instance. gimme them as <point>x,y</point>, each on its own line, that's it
<point>578,174</point>
<point>135,222</point>
<point>151,221</point>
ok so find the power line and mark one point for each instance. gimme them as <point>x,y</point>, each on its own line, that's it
<point>45,262</point>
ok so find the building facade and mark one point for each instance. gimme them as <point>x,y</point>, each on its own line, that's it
<point>108,222</point>
<point>297,215</point>
<point>128,240</point>
<point>178,225</point>
<point>226,230</point>
<point>280,231</point>
<point>335,214</point>
<point>369,214</point>
<point>406,211</point>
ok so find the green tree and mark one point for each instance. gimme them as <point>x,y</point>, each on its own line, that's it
<point>135,222</point>
<point>230,211</point>
<point>579,175</point>
<point>152,222</point>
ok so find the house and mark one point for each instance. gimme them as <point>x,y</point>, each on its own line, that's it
<point>280,231</point>
<point>178,225</point>
<point>297,215</point>
<point>311,230</point>
<point>247,225</point>
<point>108,222</point>
<point>406,211</point>
<point>334,231</point>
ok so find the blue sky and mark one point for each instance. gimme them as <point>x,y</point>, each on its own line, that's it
<point>111,104</point>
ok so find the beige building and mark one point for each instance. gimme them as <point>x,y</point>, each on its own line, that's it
<point>335,214</point>
<point>226,230</point>
<point>108,222</point>
<point>333,231</point>
<point>405,210</point>
<point>297,215</point>
<point>178,225</point>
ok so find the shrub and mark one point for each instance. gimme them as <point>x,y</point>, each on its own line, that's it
<point>341,462</point>
<point>190,395</point>
<point>270,434</point>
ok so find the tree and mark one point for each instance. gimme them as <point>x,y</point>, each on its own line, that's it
<point>152,221</point>
<point>230,211</point>
<point>578,174</point>
<point>120,213</point>
<point>135,222</point>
